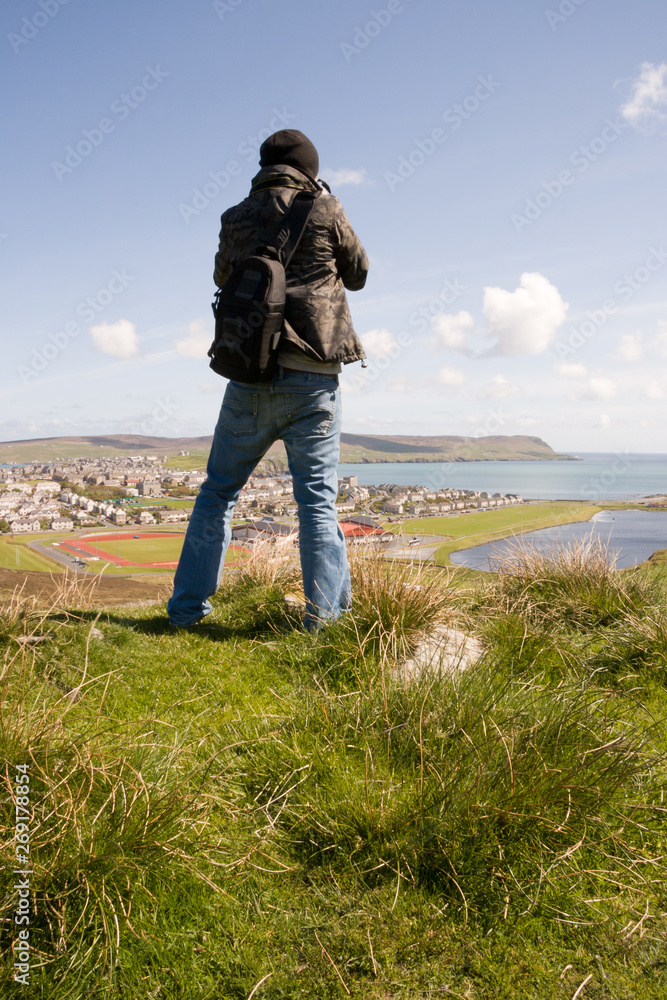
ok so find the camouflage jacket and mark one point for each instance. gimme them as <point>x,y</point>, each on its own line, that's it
<point>328,260</point>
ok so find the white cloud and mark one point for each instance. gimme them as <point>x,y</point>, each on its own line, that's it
<point>451,376</point>
<point>117,339</point>
<point>449,331</point>
<point>601,387</point>
<point>631,348</point>
<point>498,387</point>
<point>344,175</point>
<point>655,389</point>
<point>570,370</point>
<point>212,387</point>
<point>197,340</point>
<point>379,343</point>
<point>524,321</point>
<point>604,421</point>
<point>647,103</point>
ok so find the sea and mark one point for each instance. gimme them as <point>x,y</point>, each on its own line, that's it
<point>593,476</point>
<point>630,536</point>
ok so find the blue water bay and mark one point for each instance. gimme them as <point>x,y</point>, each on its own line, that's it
<point>596,476</point>
<point>631,535</point>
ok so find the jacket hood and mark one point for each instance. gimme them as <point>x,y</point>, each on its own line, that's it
<point>282,175</point>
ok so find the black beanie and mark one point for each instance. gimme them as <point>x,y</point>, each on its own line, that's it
<point>291,147</point>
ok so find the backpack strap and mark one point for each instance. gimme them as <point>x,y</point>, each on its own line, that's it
<point>294,225</point>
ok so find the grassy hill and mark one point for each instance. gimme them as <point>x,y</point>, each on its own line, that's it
<point>95,446</point>
<point>444,448</point>
<point>354,448</point>
<point>245,809</point>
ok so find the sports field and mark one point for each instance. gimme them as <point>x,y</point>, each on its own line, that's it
<point>153,549</point>
<point>157,549</point>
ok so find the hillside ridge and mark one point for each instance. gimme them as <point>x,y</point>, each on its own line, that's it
<point>361,448</point>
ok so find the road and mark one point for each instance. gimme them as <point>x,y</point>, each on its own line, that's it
<point>420,551</point>
<point>51,551</point>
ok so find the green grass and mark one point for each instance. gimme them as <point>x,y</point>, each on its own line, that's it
<point>467,530</point>
<point>15,554</point>
<point>142,550</point>
<point>187,463</point>
<point>242,803</point>
<point>177,504</point>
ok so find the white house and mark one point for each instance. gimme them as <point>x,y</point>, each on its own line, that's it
<point>61,524</point>
<point>23,525</point>
<point>173,516</point>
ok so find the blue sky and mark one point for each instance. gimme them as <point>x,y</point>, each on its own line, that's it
<point>503,165</point>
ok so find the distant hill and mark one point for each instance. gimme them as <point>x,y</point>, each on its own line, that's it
<point>95,446</point>
<point>354,448</point>
<point>444,448</point>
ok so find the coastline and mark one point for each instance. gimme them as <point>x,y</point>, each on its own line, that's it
<point>478,527</point>
<point>443,459</point>
<point>581,512</point>
<point>562,513</point>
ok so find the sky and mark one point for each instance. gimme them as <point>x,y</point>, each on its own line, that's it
<point>503,165</point>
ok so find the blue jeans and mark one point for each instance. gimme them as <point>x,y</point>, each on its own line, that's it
<point>303,410</point>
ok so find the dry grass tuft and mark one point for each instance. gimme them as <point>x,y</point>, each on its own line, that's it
<point>394,606</point>
<point>269,564</point>
<point>590,559</point>
<point>576,584</point>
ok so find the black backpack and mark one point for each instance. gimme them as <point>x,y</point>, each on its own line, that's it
<point>250,306</point>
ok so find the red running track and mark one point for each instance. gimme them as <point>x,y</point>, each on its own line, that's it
<point>81,545</point>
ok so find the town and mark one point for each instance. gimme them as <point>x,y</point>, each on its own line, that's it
<point>143,490</point>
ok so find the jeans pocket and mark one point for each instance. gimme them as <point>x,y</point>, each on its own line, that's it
<point>238,414</point>
<point>311,414</point>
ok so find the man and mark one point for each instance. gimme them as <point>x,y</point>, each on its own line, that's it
<point>301,405</point>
